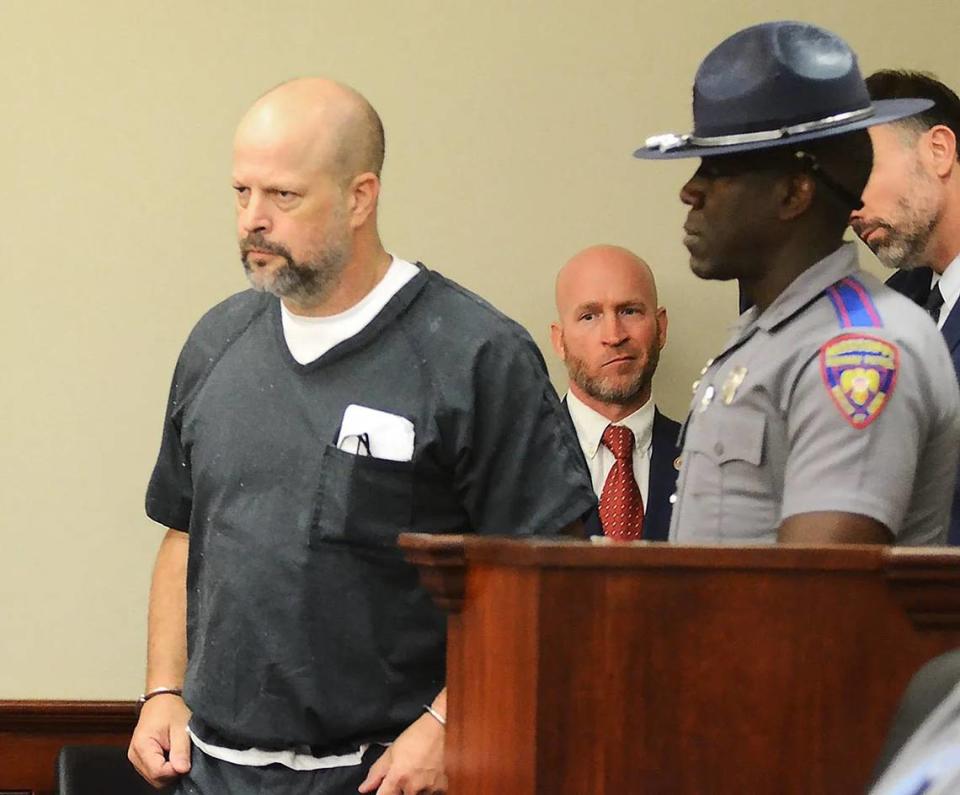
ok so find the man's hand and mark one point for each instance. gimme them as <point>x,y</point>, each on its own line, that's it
<point>160,748</point>
<point>413,765</point>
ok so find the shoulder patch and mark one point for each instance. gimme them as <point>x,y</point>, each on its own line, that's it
<point>860,373</point>
<point>853,304</point>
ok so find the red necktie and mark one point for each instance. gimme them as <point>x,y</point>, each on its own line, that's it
<point>621,504</point>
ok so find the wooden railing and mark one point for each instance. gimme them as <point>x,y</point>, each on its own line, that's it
<point>33,732</point>
<point>583,669</point>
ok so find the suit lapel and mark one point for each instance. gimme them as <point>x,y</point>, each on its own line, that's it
<point>663,478</point>
<point>913,283</point>
<point>951,333</point>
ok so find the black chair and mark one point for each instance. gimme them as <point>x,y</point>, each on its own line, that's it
<point>929,686</point>
<point>98,770</point>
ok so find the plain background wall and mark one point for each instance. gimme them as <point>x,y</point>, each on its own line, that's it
<point>509,132</point>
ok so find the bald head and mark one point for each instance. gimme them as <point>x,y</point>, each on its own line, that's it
<point>598,270</point>
<point>305,158</point>
<point>321,122</point>
<point>609,329</point>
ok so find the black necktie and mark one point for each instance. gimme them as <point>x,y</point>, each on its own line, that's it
<point>934,302</point>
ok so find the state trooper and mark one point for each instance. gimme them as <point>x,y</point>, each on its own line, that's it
<point>812,422</point>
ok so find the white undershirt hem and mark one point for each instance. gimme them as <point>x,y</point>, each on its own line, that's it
<point>293,759</point>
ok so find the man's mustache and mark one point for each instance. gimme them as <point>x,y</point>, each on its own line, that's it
<point>256,242</point>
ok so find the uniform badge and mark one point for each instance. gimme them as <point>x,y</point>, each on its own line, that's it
<point>707,398</point>
<point>703,372</point>
<point>860,373</point>
<point>729,389</point>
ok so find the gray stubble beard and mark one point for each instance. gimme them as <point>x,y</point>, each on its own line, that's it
<point>907,245</point>
<point>905,248</point>
<point>600,389</point>
<point>306,283</point>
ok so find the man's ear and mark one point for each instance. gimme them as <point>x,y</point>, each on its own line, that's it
<point>363,191</point>
<point>942,147</point>
<point>795,195</point>
<point>556,339</point>
<point>661,326</point>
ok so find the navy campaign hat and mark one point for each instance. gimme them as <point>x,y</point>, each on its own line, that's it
<point>776,84</point>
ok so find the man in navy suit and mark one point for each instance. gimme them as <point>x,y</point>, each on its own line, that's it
<point>911,213</point>
<point>609,332</point>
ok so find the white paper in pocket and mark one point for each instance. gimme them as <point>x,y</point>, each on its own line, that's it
<point>376,433</point>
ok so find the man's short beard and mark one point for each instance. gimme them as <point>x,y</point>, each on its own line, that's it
<point>906,247</point>
<point>610,389</point>
<point>908,238</point>
<point>306,283</point>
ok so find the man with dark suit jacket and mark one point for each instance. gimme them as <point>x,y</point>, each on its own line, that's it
<point>911,213</point>
<point>609,332</point>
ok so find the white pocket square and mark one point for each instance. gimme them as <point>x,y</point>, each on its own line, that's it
<point>376,433</point>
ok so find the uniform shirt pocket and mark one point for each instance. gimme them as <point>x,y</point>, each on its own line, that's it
<point>724,445</point>
<point>726,476</point>
<point>362,500</point>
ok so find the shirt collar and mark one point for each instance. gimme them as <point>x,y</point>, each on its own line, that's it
<point>590,425</point>
<point>809,285</point>
<point>801,291</point>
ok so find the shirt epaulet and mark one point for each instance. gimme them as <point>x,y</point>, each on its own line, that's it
<point>853,305</point>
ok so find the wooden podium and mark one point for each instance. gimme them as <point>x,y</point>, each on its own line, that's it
<point>580,669</point>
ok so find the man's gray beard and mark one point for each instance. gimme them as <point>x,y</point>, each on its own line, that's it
<point>905,248</point>
<point>306,283</point>
<point>907,245</point>
<point>605,389</point>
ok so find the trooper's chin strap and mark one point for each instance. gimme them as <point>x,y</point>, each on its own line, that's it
<point>810,165</point>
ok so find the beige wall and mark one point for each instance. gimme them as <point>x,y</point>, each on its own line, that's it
<point>509,127</point>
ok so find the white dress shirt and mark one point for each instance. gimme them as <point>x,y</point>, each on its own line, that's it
<point>590,427</point>
<point>949,282</point>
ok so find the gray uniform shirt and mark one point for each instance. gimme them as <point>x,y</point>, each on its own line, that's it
<point>841,396</point>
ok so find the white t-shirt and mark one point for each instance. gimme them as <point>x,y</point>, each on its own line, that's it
<point>308,338</point>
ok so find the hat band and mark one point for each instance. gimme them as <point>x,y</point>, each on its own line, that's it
<point>670,141</point>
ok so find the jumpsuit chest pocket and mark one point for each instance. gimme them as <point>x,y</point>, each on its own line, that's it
<point>728,452</point>
<point>361,500</point>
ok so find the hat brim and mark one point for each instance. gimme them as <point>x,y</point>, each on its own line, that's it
<point>885,110</point>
